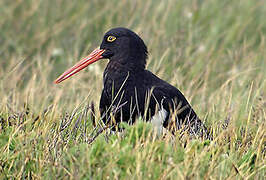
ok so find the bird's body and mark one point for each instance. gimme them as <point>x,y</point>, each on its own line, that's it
<point>131,91</point>
<point>135,90</point>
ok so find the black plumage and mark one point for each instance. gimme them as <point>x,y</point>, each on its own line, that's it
<point>131,91</point>
<point>137,91</point>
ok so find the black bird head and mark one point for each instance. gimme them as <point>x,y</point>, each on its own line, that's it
<point>125,46</point>
<point>118,44</point>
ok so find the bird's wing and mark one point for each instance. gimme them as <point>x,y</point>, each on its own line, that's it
<point>170,98</point>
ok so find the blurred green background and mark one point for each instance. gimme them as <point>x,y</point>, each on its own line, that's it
<point>187,40</point>
<point>213,51</point>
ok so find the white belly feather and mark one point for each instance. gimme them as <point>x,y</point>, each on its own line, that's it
<point>157,121</point>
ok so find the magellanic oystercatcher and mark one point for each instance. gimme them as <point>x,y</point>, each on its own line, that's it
<point>134,91</point>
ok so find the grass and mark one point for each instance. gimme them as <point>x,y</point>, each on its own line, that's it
<point>213,51</point>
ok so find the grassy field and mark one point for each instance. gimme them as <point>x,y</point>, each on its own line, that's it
<point>213,51</point>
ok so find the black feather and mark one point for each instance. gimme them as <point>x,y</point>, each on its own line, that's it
<point>136,91</point>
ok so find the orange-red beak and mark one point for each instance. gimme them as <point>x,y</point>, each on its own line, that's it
<point>91,58</point>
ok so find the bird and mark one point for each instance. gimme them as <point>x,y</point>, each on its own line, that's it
<point>131,91</point>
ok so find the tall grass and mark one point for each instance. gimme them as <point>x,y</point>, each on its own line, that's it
<point>213,51</point>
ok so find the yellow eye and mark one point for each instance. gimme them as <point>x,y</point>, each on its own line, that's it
<point>111,38</point>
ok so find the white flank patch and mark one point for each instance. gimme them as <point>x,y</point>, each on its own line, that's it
<point>157,121</point>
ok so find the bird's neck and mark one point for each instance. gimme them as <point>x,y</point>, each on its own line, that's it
<point>117,72</point>
<point>126,64</point>
<point>130,59</point>
<point>122,69</point>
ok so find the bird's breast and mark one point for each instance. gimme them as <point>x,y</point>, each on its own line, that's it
<point>116,79</point>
